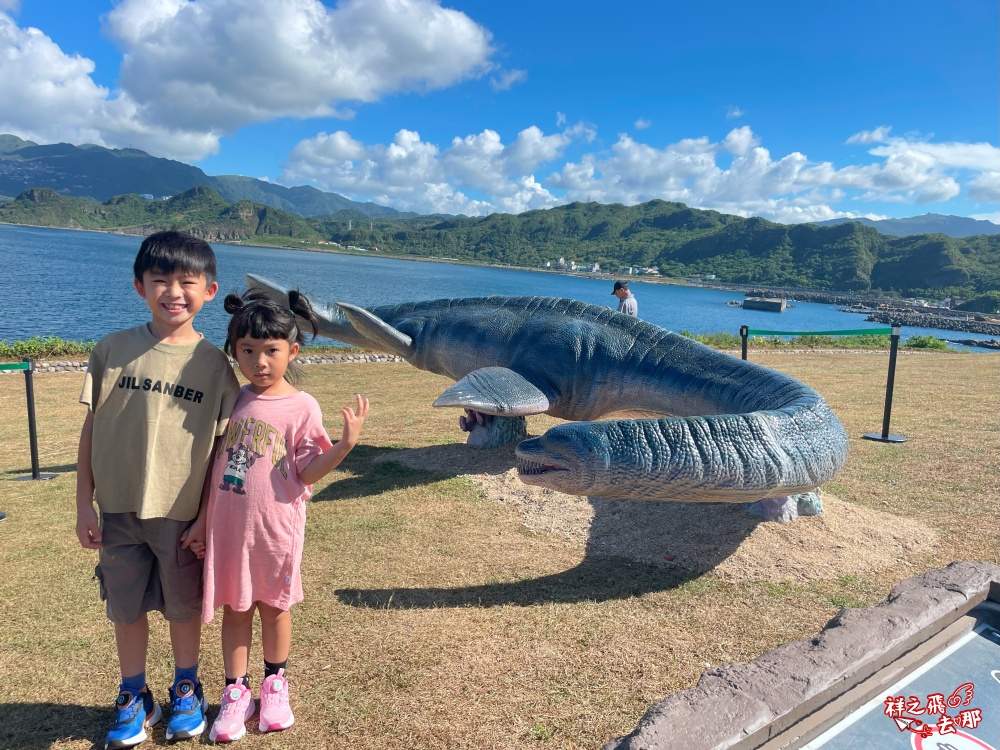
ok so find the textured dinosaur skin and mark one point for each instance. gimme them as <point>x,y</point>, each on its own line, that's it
<point>737,432</point>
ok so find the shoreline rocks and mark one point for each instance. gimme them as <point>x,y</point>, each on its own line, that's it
<point>929,320</point>
<point>44,366</point>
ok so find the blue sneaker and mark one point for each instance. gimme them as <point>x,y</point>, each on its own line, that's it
<point>187,718</point>
<point>133,713</point>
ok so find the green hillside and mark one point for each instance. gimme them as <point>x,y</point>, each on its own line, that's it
<point>201,211</point>
<point>304,199</point>
<point>679,241</point>
<point>99,173</point>
<point>683,242</point>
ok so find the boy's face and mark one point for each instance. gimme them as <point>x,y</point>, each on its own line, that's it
<point>175,298</point>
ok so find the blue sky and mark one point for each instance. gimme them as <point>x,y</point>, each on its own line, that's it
<point>795,111</point>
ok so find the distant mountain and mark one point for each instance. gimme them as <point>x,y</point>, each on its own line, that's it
<point>679,241</point>
<point>686,242</point>
<point>953,226</point>
<point>10,143</point>
<point>200,210</point>
<point>99,173</point>
<point>304,199</point>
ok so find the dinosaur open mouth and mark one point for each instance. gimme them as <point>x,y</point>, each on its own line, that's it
<point>533,468</point>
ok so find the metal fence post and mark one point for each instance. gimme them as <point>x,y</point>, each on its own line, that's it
<point>884,436</point>
<point>29,389</point>
<point>743,335</point>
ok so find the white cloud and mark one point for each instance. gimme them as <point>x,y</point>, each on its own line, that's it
<point>642,123</point>
<point>48,96</point>
<point>415,175</point>
<point>740,140</point>
<point>223,64</point>
<point>508,78</point>
<point>985,188</point>
<point>788,189</point>
<point>479,173</point>
<point>877,135</point>
<point>733,113</point>
<point>560,119</point>
<point>195,70</point>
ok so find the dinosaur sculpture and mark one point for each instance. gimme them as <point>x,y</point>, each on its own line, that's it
<point>738,432</point>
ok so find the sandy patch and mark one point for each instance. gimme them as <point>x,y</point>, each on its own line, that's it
<point>846,539</point>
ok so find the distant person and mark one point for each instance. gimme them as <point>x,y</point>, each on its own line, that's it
<point>626,300</point>
<point>157,396</point>
<point>276,448</point>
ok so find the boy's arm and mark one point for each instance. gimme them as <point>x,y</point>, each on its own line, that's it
<point>88,527</point>
<point>197,532</point>
<point>327,461</point>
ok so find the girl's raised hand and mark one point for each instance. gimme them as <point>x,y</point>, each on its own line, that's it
<point>353,420</point>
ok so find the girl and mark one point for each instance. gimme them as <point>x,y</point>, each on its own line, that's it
<point>265,465</point>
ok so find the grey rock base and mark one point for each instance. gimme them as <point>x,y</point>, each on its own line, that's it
<point>488,431</point>
<point>785,509</point>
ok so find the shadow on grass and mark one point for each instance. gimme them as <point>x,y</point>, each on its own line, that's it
<point>628,553</point>
<point>369,478</point>
<point>595,579</point>
<point>64,469</point>
<point>38,726</point>
<point>33,726</point>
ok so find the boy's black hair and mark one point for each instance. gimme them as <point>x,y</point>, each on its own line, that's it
<point>175,251</point>
<point>258,316</point>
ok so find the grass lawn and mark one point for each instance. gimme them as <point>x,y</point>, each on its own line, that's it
<point>495,636</point>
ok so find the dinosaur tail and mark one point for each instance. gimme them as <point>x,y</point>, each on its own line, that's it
<point>333,323</point>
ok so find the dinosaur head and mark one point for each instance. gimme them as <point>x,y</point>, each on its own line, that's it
<point>571,458</point>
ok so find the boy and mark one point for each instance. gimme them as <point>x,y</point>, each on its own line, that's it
<point>158,395</point>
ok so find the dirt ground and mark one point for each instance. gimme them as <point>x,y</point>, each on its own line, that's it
<point>845,540</point>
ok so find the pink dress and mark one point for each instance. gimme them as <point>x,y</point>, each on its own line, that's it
<point>257,506</point>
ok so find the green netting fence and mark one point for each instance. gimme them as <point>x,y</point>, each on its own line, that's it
<point>746,332</point>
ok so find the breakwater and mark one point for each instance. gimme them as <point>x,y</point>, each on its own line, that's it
<point>929,320</point>
<point>887,310</point>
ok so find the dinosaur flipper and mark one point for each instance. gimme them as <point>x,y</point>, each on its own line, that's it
<point>377,331</point>
<point>495,390</point>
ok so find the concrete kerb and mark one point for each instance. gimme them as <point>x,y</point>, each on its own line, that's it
<point>743,706</point>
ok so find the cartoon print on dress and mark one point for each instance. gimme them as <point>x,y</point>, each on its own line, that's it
<point>261,439</point>
<point>241,458</point>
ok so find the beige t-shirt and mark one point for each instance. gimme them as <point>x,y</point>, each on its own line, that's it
<point>157,410</point>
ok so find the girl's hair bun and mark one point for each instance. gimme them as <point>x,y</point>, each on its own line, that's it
<point>233,303</point>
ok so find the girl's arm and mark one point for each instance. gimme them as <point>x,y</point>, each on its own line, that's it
<point>196,534</point>
<point>327,461</point>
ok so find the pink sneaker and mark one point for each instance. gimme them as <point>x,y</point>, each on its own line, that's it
<point>275,713</point>
<point>236,709</point>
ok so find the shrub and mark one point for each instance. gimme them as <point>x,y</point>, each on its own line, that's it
<point>925,342</point>
<point>42,348</point>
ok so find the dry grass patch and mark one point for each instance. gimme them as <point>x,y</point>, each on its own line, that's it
<point>436,616</point>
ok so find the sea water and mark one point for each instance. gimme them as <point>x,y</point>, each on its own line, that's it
<point>78,286</point>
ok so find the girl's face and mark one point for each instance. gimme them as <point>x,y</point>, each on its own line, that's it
<point>263,362</point>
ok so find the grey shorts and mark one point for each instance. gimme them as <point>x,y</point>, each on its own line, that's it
<point>142,568</point>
